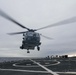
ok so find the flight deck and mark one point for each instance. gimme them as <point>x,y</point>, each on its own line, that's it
<point>38,66</point>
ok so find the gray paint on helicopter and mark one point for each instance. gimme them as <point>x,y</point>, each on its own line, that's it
<point>35,14</point>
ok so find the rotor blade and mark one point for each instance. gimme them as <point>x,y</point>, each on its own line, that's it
<point>67,21</point>
<point>9,18</point>
<point>46,37</point>
<point>17,33</point>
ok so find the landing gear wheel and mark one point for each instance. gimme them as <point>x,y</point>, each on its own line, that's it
<point>21,47</point>
<point>38,48</point>
<point>28,51</point>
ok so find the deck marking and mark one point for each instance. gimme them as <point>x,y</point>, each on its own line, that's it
<point>16,65</point>
<point>48,70</point>
<point>18,70</point>
<point>67,73</point>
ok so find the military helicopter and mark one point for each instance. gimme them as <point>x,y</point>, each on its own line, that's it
<point>31,38</point>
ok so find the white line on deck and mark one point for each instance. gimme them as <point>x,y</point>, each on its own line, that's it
<point>16,65</point>
<point>48,70</point>
<point>67,73</point>
<point>18,70</point>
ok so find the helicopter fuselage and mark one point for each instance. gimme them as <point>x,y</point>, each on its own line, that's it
<point>30,40</point>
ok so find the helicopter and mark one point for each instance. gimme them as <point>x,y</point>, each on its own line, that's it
<point>31,38</point>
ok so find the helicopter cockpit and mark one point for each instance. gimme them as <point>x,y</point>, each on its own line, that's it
<point>31,37</point>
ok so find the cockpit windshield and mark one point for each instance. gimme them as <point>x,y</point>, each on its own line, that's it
<point>32,34</point>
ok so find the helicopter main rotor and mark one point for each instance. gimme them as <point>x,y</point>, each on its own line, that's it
<point>67,21</point>
<point>12,20</point>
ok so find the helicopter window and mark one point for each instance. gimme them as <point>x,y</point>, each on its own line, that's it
<point>30,34</point>
<point>34,35</point>
<point>37,35</point>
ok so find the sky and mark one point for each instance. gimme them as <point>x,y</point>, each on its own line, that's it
<point>35,14</point>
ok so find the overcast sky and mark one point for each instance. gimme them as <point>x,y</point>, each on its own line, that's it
<point>35,14</point>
